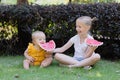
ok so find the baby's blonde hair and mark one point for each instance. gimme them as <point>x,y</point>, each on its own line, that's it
<point>34,34</point>
<point>87,20</point>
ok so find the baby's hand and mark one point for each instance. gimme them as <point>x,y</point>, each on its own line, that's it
<point>31,59</point>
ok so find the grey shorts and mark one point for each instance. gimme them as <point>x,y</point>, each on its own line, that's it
<point>79,58</point>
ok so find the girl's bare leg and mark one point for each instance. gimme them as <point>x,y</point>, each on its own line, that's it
<point>65,60</point>
<point>88,61</point>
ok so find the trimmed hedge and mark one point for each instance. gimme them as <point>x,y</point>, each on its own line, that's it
<point>58,22</point>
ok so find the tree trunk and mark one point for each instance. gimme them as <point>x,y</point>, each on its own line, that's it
<point>19,2</point>
<point>70,1</point>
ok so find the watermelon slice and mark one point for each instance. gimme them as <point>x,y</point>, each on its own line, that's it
<point>48,46</point>
<point>93,42</point>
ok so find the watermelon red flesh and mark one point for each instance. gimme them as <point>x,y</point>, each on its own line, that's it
<point>48,45</point>
<point>93,42</point>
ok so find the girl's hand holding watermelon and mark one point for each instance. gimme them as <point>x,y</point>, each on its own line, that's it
<point>93,42</point>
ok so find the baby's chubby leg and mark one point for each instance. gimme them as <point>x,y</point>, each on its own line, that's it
<point>26,64</point>
<point>46,62</point>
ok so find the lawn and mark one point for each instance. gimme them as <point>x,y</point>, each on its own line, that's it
<point>11,69</point>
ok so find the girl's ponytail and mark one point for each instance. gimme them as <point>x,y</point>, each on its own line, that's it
<point>94,19</point>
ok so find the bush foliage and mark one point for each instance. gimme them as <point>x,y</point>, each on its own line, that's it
<point>58,22</point>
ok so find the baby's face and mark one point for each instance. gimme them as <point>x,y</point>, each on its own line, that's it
<point>39,38</point>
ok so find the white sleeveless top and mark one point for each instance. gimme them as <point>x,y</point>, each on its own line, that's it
<point>80,48</point>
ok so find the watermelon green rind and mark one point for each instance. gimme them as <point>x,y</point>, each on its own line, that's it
<point>93,42</point>
<point>48,46</point>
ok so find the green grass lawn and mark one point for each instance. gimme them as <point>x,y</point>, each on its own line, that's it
<point>11,69</point>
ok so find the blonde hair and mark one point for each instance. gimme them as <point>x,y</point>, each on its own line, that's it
<point>34,34</point>
<point>87,20</point>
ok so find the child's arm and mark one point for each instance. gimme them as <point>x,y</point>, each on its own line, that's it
<point>27,56</point>
<point>89,51</point>
<point>63,48</point>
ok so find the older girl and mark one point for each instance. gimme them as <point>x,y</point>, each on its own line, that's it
<point>84,54</point>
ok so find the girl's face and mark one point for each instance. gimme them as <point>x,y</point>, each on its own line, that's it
<point>39,38</point>
<point>81,28</point>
